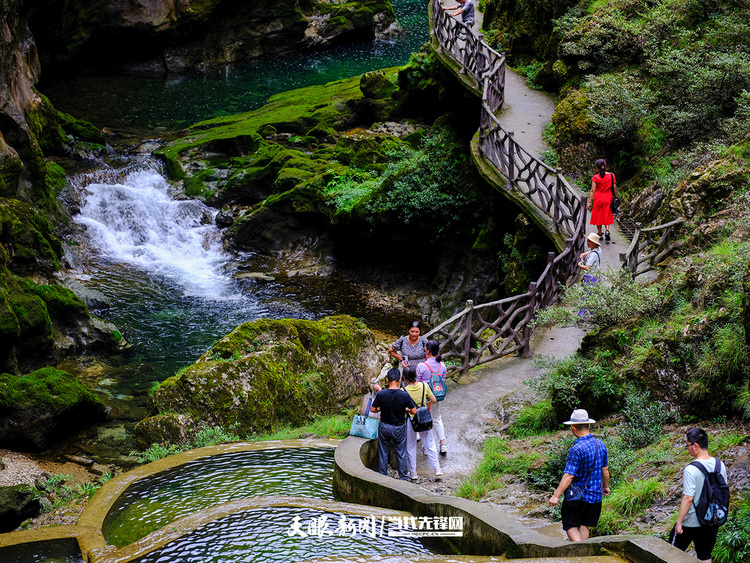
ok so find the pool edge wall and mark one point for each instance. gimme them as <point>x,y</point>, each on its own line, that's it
<point>486,530</point>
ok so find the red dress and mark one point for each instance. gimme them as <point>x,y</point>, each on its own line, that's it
<point>601,214</point>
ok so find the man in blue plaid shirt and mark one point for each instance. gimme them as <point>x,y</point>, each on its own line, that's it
<point>585,479</point>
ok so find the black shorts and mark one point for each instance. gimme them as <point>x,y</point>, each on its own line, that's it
<point>580,513</point>
<point>703,538</point>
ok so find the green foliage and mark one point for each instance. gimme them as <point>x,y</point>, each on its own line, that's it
<point>534,420</point>
<point>420,184</point>
<point>497,461</point>
<point>576,382</point>
<point>346,190</point>
<point>644,418</point>
<point>328,426</point>
<point>733,543</point>
<point>530,71</point>
<point>615,298</point>
<point>206,436</point>
<point>548,476</point>
<point>626,502</point>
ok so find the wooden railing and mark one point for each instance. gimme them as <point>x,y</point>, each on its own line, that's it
<point>481,333</point>
<point>649,247</point>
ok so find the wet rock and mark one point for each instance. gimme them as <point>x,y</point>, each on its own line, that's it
<point>376,85</point>
<point>164,429</point>
<point>41,407</point>
<point>17,503</point>
<point>272,372</point>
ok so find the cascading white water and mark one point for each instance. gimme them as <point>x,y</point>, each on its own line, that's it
<point>134,221</point>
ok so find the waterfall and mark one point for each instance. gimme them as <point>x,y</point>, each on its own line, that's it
<point>130,218</point>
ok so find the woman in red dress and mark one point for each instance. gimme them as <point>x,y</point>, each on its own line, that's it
<point>603,189</point>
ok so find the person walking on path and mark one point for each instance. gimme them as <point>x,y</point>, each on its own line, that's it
<point>393,403</point>
<point>434,366</point>
<point>585,478</point>
<point>603,189</point>
<point>687,528</point>
<point>591,259</point>
<point>422,395</point>
<point>466,9</point>
<point>410,349</point>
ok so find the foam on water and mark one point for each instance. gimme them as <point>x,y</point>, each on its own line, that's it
<point>137,222</point>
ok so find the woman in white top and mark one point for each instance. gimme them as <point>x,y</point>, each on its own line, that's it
<point>434,365</point>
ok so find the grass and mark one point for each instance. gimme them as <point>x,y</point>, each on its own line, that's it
<point>534,420</point>
<point>497,462</point>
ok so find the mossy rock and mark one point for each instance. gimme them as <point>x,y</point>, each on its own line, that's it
<point>11,167</point>
<point>165,430</point>
<point>80,129</point>
<point>44,124</point>
<point>267,373</point>
<point>572,119</point>
<point>17,503</point>
<point>28,239</point>
<point>376,85</point>
<point>43,406</point>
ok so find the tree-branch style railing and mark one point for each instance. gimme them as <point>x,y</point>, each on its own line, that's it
<point>476,58</point>
<point>649,248</point>
<point>481,333</point>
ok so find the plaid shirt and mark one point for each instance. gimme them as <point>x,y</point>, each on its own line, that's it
<point>583,460</point>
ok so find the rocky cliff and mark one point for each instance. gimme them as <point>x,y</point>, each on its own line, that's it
<point>158,36</point>
<point>39,320</point>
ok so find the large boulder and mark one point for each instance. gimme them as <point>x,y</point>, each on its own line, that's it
<point>39,408</point>
<point>267,373</point>
<point>17,503</point>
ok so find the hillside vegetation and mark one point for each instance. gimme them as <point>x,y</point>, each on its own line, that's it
<point>661,89</point>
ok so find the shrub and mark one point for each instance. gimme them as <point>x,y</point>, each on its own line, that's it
<point>576,382</point>
<point>644,419</point>
<point>548,476</point>
<point>733,543</point>
<point>617,297</point>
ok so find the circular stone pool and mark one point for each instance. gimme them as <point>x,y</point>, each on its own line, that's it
<point>161,498</point>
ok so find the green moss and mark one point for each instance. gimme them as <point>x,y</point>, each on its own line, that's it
<point>267,373</point>
<point>60,301</point>
<point>80,129</point>
<point>55,178</point>
<point>47,387</point>
<point>29,237</point>
<point>195,185</point>
<point>11,167</point>
<point>45,126</point>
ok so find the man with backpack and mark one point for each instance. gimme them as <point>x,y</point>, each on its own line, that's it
<point>705,498</point>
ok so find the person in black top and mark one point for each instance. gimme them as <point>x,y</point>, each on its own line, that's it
<point>393,403</point>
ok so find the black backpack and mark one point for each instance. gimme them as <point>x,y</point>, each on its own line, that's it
<point>712,507</point>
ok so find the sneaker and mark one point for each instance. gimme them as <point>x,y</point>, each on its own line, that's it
<point>418,437</point>
<point>413,476</point>
<point>438,472</point>
<point>443,449</point>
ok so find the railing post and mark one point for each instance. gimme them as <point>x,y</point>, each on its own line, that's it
<point>553,283</point>
<point>511,154</point>
<point>526,340</point>
<point>556,199</point>
<point>468,322</point>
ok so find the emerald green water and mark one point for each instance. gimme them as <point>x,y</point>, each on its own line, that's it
<point>153,502</point>
<point>179,101</point>
<point>264,536</point>
<point>52,551</point>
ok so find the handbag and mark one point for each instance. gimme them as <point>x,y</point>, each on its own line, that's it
<point>363,425</point>
<point>615,205</point>
<point>422,421</point>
